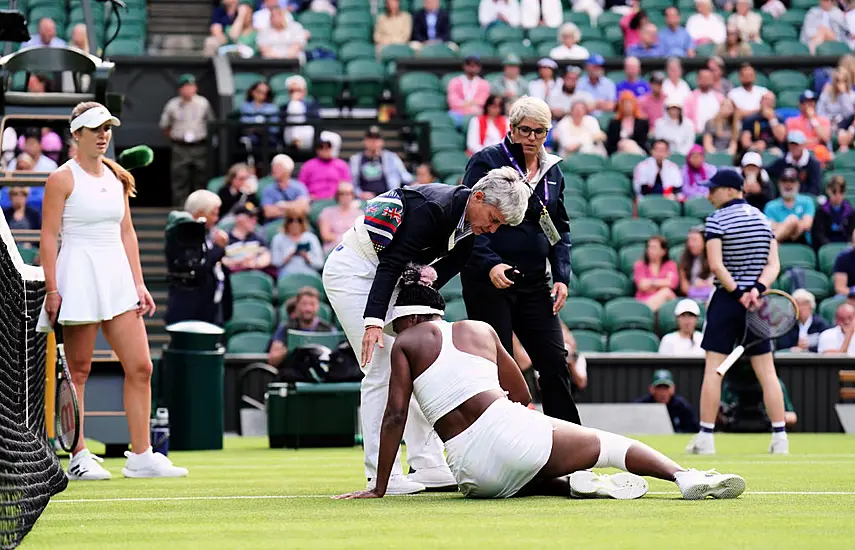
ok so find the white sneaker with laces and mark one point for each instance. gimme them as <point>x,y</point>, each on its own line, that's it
<point>150,464</point>
<point>779,445</point>
<point>439,477</point>
<point>620,486</point>
<point>696,485</point>
<point>701,445</point>
<point>84,466</point>
<point>398,485</point>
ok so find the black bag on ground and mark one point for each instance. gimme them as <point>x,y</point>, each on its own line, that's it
<point>343,365</point>
<point>317,364</point>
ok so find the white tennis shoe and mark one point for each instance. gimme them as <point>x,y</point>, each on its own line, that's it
<point>439,477</point>
<point>398,485</point>
<point>150,464</point>
<point>85,466</point>
<point>696,485</point>
<point>620,486</point>
<point>779,445</point>
<point>701,445</point>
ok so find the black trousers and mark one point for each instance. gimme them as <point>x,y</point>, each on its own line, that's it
<point>526,309</point>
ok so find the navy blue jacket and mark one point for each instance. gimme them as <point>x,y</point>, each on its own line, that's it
<point>420,29</point>
<point>683,417</point>
<point>790,339</point>
<point>524,246</point>
<point>810,175</point>
<point>197,304</point>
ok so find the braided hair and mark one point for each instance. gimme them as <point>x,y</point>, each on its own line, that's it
<point>417,288</point>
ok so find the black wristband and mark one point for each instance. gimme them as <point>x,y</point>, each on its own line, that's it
<point>761,288</point>
<point>737,293</point>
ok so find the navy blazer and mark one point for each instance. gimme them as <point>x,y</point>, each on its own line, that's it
<point>524,246</point>
<point>197,304</point>
<point>791,339</point>
<point>443,26</point>
<point>432,213</point>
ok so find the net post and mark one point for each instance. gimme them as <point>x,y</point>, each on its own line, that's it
<point>50,383</point>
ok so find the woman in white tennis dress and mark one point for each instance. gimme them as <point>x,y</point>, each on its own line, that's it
<point>96,279</point>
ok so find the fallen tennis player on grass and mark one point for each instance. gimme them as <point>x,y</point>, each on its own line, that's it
<point>496,447</point>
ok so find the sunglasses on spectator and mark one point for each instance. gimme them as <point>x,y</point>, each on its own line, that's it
<point>526,131</point>
<point>837,191</point>
<point>17,193</point>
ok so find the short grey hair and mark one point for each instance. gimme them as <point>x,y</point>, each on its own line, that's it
<point>286,162</point>
<point>571,29</point>
<point>533,108</point>
<point>201,202</point>
<point>505,189</point>
<point>296,79</point>
<point>806,295</point>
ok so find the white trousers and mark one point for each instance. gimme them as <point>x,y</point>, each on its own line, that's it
<point>347,281</point>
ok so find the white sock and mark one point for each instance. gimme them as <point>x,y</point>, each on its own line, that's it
<point>145,452</point>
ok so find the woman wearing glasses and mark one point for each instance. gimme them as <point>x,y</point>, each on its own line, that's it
<point>505,282</point>
<point>296,249</point>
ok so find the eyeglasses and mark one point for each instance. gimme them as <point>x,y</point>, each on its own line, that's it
<point>526,131</point>
<point>836,191</point>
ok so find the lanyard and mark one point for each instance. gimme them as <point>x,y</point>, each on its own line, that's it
<point>516,165</point>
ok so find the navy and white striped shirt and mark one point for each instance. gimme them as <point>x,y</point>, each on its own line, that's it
<point>746,235</point>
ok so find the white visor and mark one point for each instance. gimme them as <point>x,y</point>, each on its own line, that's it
<point>404,311</point>
<point>93,118</point>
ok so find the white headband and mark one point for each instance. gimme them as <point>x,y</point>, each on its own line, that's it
<point>404,311</point>
<point>93,118</point>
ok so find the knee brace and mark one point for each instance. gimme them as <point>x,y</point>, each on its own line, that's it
<point>613,449</point>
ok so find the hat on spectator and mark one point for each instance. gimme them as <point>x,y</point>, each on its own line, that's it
<point>807,95</point>
<point>657,77</point>
<point>752,158</point>
<point>789,174</point>
<point>662,377</point>
<point>797,137</point>
<point>373,131</point>
<point>687,306</point>
<point>185,79</point>
<point>596,59</point>
<point>548,63</point>
<point>512,60</point>
<point>247,208</point>
<point>725,178</point>
<point>472,59</point>
<point>673,101</point>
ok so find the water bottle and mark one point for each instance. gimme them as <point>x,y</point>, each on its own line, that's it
<point>160,432</point>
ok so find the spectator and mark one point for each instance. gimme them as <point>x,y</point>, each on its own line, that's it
<point>704,103</point>
<point>663,390</point>
<point>579,132</point>
<point>261,18</point>
<point>673,38</point>
<point>20,215</point>
<point>335,220</point>
<point>696,171</point>
<point>844,271</point>
<point>804,336</point>
<point>686,340</point>
<point>837,100</point>
<point>808,169</point>
<point>247,249</point>
<point>33,147</point>
<point>674,128</point>
<point>706,26</point>
<point>22,163</point>
<point>674,86</point>
<point>79,38</point>
<point>561,99</point>
<point>46,37</point>
<point>287,196</point>
<point>746,22</point>
<point>39,84</point>
<point>185,122</point>
<point>511,85</point>
<point>425,174</point>
<point>51,143</point>
<point>634,83</point>
<point>648,45</point>
<point>489,128</point>
<point>376,170</point>
<point>655,275</point>
<point>468,92</point>
<point>720,132</point>
<point>838,339</point>
<point>258,108</point>
<point>627,132</point>
<point>283,39</point>
<point>545,13</point>
<point>775,8</point>
<point>733,45</point>
<point>748,96</point>
<point>657,175</point>
<point>239,187</point>
<point>431,24</point>
<point>393,26</point>
<point>298,109</point>
<point>763,131</point>
<point>322,174</point>
<point>229,22</point>
<point>816,128</point>
<point>595,83</point>
<point>307,305</point>
<point>792,213</point>
<point>756,188</point>
<point>652,105</point>
<point>631,25</point>
<point>569,48</point>
<point>498,12</point>
<point>720,83</point>
<point>823,23</point>
<point>296,249</point>
<point>546,82</point>
<point>835,220</point>
<point>695,275</point>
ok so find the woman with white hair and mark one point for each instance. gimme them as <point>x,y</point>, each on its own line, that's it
<point>298,109</point>
<point>579,132</point>
<point>805,335</point>
<point>506,283</point>
<point>569,48</point>
<point>706,26</point>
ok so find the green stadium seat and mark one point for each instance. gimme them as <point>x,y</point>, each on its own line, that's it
<point>705,50</point>
<point>28,254</point>
<point>438,120</point>
<point>541,35</point>
<point>582,314</point>
<point>518,49</point>
<point>829,306</point>
<point>355,19</point>
<point>357,50</point>
<point>794,17</point>
<point>544,49</point>
<point>845,161</point>
<point>447,78</point>
<point>790,48</point>
<point>446,140</point>
<point>453,289</point>
<point>573,184</point>
<point>698,207</point>
<point>828,254</point>
<point>593,256</point>
<point>589,33</point>
<point>667,322</point>
<point>425,101</point>
<point>214,184</point>
<point>658,208</point>
<point>610,19</point>
<point>325,80</point>
<point>252,285</point>
<point>126,47</point>
<point>348,35</point>
<point>833,48</point>
<point>608,183</point>
<point>315,18</point>
<point>576,207</point>
<point>796,255</point>
<point>604,284</point>
<point>455,311</point>
<point>605,118</point>
<point>760,49</point>
<point>289,285</point>
<point>581,19</point>
<point>497,34</point>
<point>477,48</point>
<point>449,163</point>
<point>250,315</point>
<point>675,230</point>
<point>589,231</point>
<point>624,162</point>
<point>817,283</point>
<point>627,313</point>
<point>442,51</point>
<point>394,52</point>
<point>628,255</point>
<point>277,82</point>
<point>296,338</point>
<point>632,231</point>
<point>463,17</point>
<point>354,5</point>
<point>788,80</point>
<point>367,79</point>
<point>678,159</point>
<point>599,46</point>
<point>321,33</point>
<point>316,207</point>
<point>775,32</point>
<point>463,34</point>
<point>588,341</point>
<point>720,159</point>
<point>610,207</point>
<point>249,342</point>
<point>634,341</point>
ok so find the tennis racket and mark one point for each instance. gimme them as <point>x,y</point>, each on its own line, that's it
<point>775,317</point>
<point>66,408</point>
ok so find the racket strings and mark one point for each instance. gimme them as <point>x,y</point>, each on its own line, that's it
<point>774,318</point>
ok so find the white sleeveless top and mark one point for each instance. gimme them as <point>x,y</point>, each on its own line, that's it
<point>453,378</point>
<point>93,274</point>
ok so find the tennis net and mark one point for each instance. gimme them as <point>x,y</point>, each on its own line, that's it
<point>30,472</point>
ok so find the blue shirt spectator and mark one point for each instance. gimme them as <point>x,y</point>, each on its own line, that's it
<point>792,213</point>
<point>640,50</point>
<point>844,272</point>
<point>260,109</point>
<point>673,38</point>
<point>46,38</point>
<point>638,87</point>
<point>598,86</point>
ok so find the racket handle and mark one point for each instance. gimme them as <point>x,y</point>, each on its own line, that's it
<point>730,360</point>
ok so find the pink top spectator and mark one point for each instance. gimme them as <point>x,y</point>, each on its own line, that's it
<point>630,36</point>
<point>652,107</point>
<point>321,177</point>
<point>467,97</point>
<point>339,221</point>
<point>668,270</point>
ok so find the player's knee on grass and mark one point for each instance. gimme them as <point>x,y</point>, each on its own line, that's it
<point>613,449</point>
